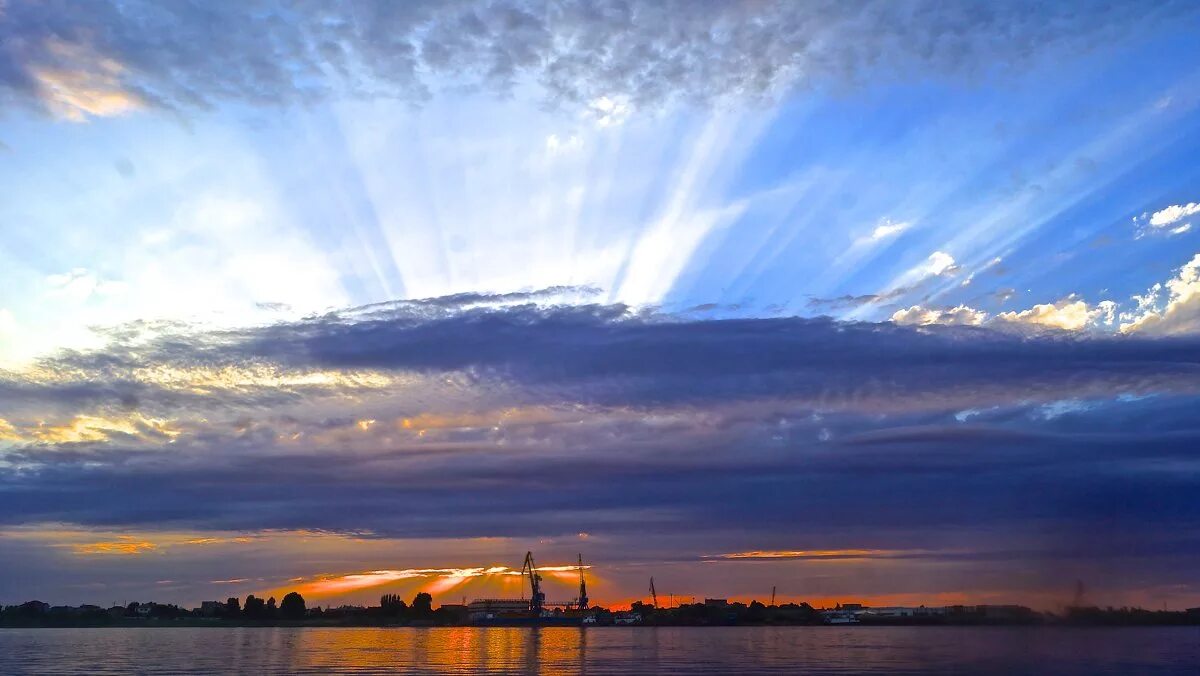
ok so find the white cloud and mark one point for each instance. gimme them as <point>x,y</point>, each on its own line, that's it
<point>1164,220</point>
<point>939,263</point>
<point>1057,409</point>
<point>610,112</point>
<point>1174,214</point>
<point>1181,314</point>
<point>966,414</point>
<point>921,316</point>
<point>886,228</point>
<point>1066,314</point>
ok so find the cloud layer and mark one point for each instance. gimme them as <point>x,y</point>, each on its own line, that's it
<point>106,58</point>
<point>422,396</point>
<point>452,419</point>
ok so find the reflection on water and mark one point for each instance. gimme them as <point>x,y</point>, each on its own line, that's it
<point>602,650</point>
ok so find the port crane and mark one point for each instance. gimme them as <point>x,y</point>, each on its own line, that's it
<point>582,602</point>
<point>653,593</point>
<point>537,598</point>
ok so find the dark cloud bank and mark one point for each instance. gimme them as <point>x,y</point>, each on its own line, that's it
<point>608,355</point>
<point>783,432</point>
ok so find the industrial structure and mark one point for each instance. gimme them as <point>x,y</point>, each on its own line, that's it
<point>535,610</point>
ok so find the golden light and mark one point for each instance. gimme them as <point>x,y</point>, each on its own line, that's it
<point>122,546</point>
<point>816,554</point>
<point>89,84</point>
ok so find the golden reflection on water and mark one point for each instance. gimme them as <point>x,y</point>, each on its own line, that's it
<point>549,650</point>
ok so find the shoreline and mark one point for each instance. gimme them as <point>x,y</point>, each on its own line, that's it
<point>192,624</point>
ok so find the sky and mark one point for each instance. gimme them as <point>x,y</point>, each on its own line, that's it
<point>884,302</point>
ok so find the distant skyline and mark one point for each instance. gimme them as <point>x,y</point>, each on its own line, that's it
<point>866,301</point>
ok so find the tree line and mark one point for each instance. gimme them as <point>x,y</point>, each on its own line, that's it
<point>291,608</point>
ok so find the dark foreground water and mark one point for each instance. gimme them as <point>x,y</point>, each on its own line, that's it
<point>604,650</point>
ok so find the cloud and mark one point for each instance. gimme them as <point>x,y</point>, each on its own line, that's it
<point>959,316</point>
<point>610,112</point>
<point>860,300</point>
<point>1166,221</point>
<point>659,435</point>
<point>75,83</point>
<point>810,555</point>
<point>885,229</point>
<point>461,350</point>
<point>1066,314</point>
<point>1181,312</point>
<point>111,57</point>
<point>88,429</point>
<point>939,263</point>
<point>1173,214</point>
<point>123,546</point>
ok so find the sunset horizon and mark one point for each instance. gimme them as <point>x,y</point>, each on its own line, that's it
<point>815,306</point>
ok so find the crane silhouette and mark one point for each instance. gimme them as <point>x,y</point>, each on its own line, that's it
<point>537,597</point>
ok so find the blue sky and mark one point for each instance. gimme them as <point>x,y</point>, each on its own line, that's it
<point>243,232</point>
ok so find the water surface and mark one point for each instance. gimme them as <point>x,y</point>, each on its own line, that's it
<point>603,650</point>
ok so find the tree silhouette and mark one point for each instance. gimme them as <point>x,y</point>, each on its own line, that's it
<point>392,605</point>
<point>271,609</point>
<point>757,612</point>
<point>292,606</point>
<point>422,604</point>
<point>254,608</point>
<point>233,606</point>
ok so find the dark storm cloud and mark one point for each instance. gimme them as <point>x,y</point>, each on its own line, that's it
<point>188,55</point>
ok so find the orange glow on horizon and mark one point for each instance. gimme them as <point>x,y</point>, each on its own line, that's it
<point>434,580</point>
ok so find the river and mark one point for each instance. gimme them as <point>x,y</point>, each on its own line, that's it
<point>604,650</point>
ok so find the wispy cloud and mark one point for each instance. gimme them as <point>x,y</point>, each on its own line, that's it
<point>885,229</point>
<point>809,555</point>
<point>123,546</point>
